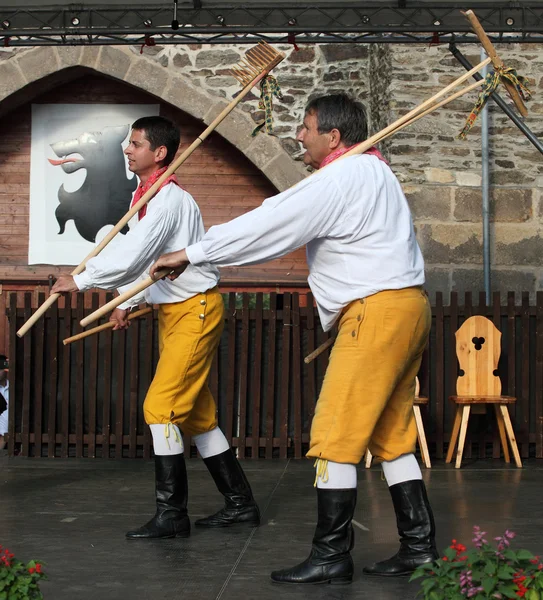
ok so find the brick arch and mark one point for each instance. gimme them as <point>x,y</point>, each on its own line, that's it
<point>223,180</point>
<point>20,77</point>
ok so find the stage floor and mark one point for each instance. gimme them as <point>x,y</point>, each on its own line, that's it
<point>73,514</point>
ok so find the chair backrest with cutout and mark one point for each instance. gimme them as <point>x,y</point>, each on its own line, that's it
<point>478,348</point>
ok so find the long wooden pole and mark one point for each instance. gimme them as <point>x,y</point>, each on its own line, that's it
<point>105,326</point>
<point>324,346</point>
<point>424,109</point>
<point>139,287</point>
<point>421,108</point>
<point>145,199</point>
<point>497,62</point>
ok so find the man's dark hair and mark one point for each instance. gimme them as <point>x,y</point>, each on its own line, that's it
<point>4,363</point>
<point>160,132</point>
<point>341,112</point>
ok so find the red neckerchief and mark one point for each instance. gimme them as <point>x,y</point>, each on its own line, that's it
<point>337,153</point>
<point>144,187</point>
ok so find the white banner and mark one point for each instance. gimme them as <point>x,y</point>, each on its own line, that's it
<point>80,185</point>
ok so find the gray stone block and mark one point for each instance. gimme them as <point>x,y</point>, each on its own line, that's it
<point>468,204</point>
<point>236,127</point>
<point>11,79</point>
<point>38,62</point>
<point>518,246</point>
<point>69,56</point>
<point>181,60</point>
<point>450,244</point>
<point>114,62</point>
<point>263,150</point>
<point>429,202</point>
<point>194,102</point>
<point>339,52</point>
<point>148,76</point>
<point>89,57</point>
<point>217,58</point>
<point>510,205</point>
<point>284,172</point>
<point>303,55</point>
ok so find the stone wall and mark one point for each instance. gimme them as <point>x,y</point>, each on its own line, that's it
<point>441,175</point>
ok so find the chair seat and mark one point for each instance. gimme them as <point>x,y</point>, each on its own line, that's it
<point>483,399</point>
<point>420,400</point>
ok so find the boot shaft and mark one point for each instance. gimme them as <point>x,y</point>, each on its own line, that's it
<point>334,534</point>
<point>171,483</point>
<point>414,516</point>
<point>230,479</point>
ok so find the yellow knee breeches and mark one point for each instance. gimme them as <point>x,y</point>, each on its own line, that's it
<point>367,395</point>
<point>189,333</point>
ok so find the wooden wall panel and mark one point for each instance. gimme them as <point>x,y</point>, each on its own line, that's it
<point>224,183</point>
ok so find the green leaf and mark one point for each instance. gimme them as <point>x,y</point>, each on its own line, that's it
<point>505,572</point>
<point>488,584</point>
<point>418,574</point>
<point>507,591</point>
<point>428,585</point>
<point>490,568</point>
<point>450,553</point>
<point>532,595</point>
<point>525,555</point>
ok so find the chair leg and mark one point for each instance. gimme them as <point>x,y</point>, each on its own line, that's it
<point>463,431</point>
<point>503,437</point>
<point>511,434</point>
<point>422,437</point>
<point>454,434</point>
<point>368,458</point>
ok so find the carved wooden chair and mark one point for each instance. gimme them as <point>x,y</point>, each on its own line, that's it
<point>478,348</point>
<point>421,436</point>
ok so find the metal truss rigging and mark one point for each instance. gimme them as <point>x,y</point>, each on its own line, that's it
<point>303,22</point>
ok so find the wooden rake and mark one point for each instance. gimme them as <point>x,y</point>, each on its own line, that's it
<point>256,64</point>
<point>425,108</point>
<point>437,101</point>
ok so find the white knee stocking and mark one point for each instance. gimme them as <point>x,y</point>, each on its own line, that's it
<point>211,443</point>
<point>335,476</point>
<point>167,439</point>
<point>403,468</point>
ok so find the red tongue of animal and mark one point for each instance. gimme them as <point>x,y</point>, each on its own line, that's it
<point>56,163</point>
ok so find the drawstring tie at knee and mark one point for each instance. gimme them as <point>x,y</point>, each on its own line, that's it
<point>167,432</point>
<point>321,466</point>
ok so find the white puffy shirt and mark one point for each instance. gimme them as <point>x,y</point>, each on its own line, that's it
<point>356,223</point>
<point>173,221</point>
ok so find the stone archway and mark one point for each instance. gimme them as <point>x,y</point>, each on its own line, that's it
<point>25,67</point>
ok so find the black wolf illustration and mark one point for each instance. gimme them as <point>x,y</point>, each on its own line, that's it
<point>106,192</point>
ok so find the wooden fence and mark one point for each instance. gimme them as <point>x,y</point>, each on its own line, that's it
<point>85,399</point>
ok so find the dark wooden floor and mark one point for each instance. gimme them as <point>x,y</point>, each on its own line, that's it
<point>72,514</point>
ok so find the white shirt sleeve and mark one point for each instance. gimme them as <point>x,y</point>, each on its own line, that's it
<point>132,255</point>
<point>280,225</point>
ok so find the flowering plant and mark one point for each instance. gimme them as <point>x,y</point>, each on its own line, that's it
<point>484,572</point>
<point>17,580</point>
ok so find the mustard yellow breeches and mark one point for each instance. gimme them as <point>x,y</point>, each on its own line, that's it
<point>189,334</point>
<point>367,395</point>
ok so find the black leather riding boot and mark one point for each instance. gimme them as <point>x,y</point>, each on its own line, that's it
<point>171,519</point>
<point>329,560</point>
<point>239,504</point>
<point>417,530</point>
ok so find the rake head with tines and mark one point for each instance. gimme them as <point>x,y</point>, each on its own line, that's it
<point>258,61</point>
